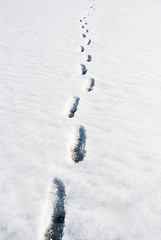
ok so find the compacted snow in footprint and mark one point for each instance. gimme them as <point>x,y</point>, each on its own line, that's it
<point>113,69</point>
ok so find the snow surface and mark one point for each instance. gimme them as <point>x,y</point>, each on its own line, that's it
<point>114,193</point>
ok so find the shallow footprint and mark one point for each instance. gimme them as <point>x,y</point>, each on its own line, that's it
<point>89,42</point>
<point>83,69</point>
<point>90,85</point>
<point>82,49</point>
<point>89,58</point>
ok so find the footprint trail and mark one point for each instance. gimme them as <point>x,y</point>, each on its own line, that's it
<point>77,151</point>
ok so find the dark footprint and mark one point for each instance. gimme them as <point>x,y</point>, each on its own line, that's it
<point>89,42</point>
<point>84,17</point>
<point>83,35</point>
<point>73,107</point>
<point>80,20</point>
<point>83,69</point>
<point>86,23</point>
<point>82,26</point>
<point>78,151</point>
<point>89,58</point>
<point>87,31</point>
<point>90,85</point>
<point>82,49</point>
<point>55,230</point>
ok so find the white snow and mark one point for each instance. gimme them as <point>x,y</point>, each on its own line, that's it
<point>114,193</point>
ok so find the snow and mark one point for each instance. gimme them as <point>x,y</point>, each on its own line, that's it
<point>114,193</point>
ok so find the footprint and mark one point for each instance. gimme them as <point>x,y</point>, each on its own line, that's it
<point>82,26</point>
<point>80,20</point>
<point>87,31</point>
<point>83,35</point>
<point>86,23</point>
<point>73,106</point>
<point>82,49</point>
<point>89,58</point>
<point>78,150</point>
<point>89,42</point>
<point>90,85</point>
<point>83,69</point>
<point>55,229</point>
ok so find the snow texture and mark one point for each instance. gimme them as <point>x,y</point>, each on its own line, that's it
<point>114,193</point>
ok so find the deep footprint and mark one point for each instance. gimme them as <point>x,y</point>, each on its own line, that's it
<point>84,35</point>
<point>82,49</point>
<point>73,107</point>
<point>90,85</point>
<point>55,230</point>
<point>78,150</point>
<point>83,69</point>
<point>82,26</point>
<point>89,58</point>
